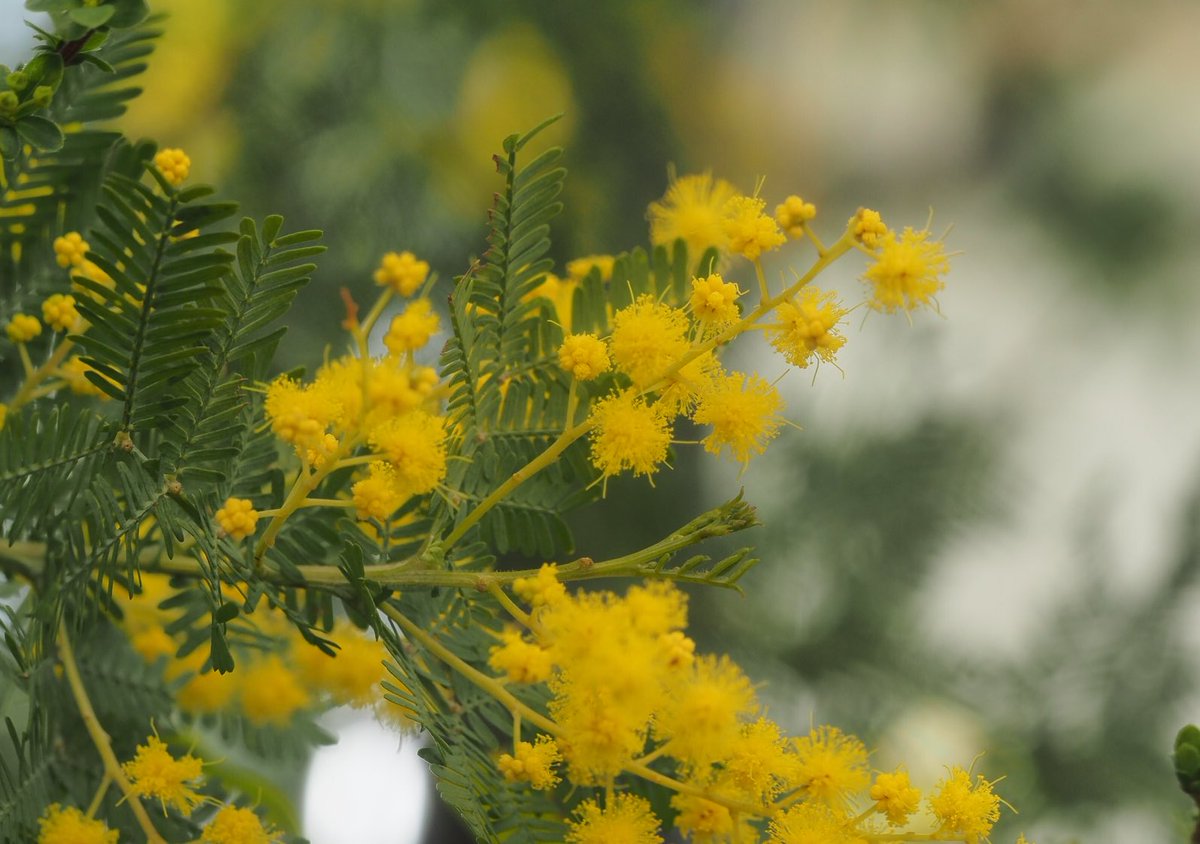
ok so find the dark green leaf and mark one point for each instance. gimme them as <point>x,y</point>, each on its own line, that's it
<point>91,16</point>
<point>41,133</point>
<point>10,144</point>
<point>222,659</point>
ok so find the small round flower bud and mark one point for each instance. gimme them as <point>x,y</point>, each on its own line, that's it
<point>402,272</point>
<point>412,329</point>
<point>70,249</point>
<point>584,356</point>
<point>793,213</point>
<point>18,80</point>
<point>59,312</point>
<point>750,231</point>
<point>868,227</point>
<point>23,328</point>
<point>714,300</point>
<point>174,165</point>
<point>238,518</point>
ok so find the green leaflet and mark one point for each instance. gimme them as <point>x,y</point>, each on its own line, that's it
<point>45,458</point>
<point>508,398</point>
<point>467,727</point>
<point>207,432</point>
<point>149,328</point>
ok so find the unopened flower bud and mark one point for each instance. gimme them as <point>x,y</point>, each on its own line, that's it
<point>18,80</point>
<point>8,104</point>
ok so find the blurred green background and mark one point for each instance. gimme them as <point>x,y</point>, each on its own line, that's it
<point>984,538</point>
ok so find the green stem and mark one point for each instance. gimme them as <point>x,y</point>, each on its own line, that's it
<point>305,483</point>
<point>537,464</point>
<point>496,689</point>
<point>489,684</point>
<point>816,241</point>
<point>101,790</point>
<point>497,591</point>
<point>768,303</point>
<point>26,558</point>
<point>37,376</point>
<point>376,311</point>
<point>763,288</point>
<point>112,768</point>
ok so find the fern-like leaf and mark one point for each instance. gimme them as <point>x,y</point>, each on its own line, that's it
<point>45,459</point>
<point>149,328</point>
<point>207,432</point>
<point>507,397</point>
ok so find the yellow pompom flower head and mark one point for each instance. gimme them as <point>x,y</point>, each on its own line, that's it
<point>173,164</point>
<point>965,810</point>
<point>628,434</point>
<point>806,327</point>
<point>352,675</point>
<point>626,818</point>
<point>895,796</point>
<point>521,661</point>
<point>702,820</point>
<point>543,589</point>
<point>751,232</point>
<point>714,300</point>
<point>73,372</point>
<point>22,328</point>
<point>237,517</point>
<point>155,773</point>
<point>793,214</point>
<point>584,356</point>
<point>414,444</point>
<point>647,338</point>
<point>581,268</point>
<point>760,764</point>
<point>70,249</point>
<point>830,765</point>
<point>814,823</point>
<point>702,717</point>
<point>532,762</point>
<point>271,692</point>
<point>907,271</point>
<point>237,825</point>
<point>867,227</point>
<point>70,826</point>
<point>58,312</point>
<point>412,328</point>
<point>402,271</point>
<point>692,210</point>
<point>744,413</point>
<point>378,496</point>
<point>300,415</point>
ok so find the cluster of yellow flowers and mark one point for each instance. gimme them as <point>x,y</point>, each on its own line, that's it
<point>174,164</point>
<point>627,688</point>
<point>665,354</point>
<point>157,775</point>
<point>60,313</point>
<point>628,696</point>
<point>272,686</point>
<point>389,403</point>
